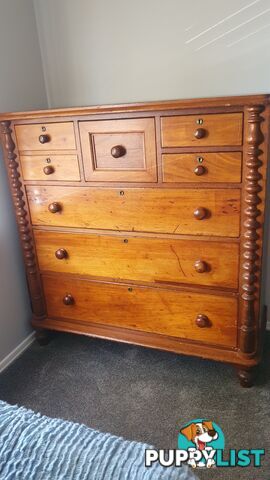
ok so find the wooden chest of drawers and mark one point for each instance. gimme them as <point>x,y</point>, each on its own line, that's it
<point>143,223</point>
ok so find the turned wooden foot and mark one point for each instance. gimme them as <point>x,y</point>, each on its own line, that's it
<point>246,376</point>
<point>43,337</point>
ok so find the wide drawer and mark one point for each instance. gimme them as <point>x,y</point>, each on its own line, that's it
<point>142,259</point>
<point>186,211</point>
<point>50,167</point>
<point>195,316</point>
<point>198,130</point>
<point>119,150</point>
<point>202,167</point>
<point>45,136</point>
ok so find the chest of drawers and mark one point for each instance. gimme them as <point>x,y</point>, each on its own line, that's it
<point>143,223</point>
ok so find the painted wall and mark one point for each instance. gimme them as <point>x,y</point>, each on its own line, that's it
<point>101,51</point>
<point>21,87</point>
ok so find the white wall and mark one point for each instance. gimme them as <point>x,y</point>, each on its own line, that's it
<point>103,51</point>
<point>21,87</point>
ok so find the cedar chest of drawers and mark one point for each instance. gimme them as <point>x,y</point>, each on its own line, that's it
<point>143,223</point>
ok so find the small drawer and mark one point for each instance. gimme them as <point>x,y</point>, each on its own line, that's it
<point>45,136</point>
<point>119,150</point>
<point>50,167</point>
<point>194,316</point>
<point>142,259</point>
<point>202,167</point>
<point>161,210</point>
<point>197,130</point>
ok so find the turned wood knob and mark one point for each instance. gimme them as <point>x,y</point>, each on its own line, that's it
<point>200,133</point>
<point>48,170</point>
<point>200,213</point>
<point>118,151</point>
<point>61,253</point>
<point>200,266</point>
<point>200,170</point>
<point>202,321</point>
<point>68,299</point>
<point>54,207</point>
<point>44,138</point>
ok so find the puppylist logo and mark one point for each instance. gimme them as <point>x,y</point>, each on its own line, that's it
<point>201,444</point>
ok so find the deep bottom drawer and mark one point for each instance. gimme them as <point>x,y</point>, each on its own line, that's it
<point>196,316</point>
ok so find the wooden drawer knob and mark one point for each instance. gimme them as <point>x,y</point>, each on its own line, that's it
<point>200,213</point>
<point>48,170</point>
<point>200,266</point>
<point>68,299</point>
<point>200,133</point>
<point>54,207</point>
<point>118,151</point>
<point>44,138</point>
<point>61,253</point>
<point>202,321</point>
<point>200,170</point>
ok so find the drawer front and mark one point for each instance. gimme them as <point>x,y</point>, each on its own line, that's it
<point>140,259</point>
<point>202,167</point>
<point>201,317</point>
<point>186,211</point>
<point>198,130</point>
<point>46,136</point>
<point>119,150</point>
<point>52,167</point>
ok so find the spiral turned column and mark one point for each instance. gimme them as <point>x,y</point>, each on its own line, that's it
<point>252,188</point>
<point>25,232</point>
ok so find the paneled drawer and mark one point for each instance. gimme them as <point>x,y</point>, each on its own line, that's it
<point>46,136</point>
<point>198,130</point>
<point>205,318</point>
<point>139,258</point>
<point>119,150</point>
<point>202,167</point>
<point>186,211</point>
<point>50,167</point>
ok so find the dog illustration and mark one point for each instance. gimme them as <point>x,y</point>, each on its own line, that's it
<point>200,434</point>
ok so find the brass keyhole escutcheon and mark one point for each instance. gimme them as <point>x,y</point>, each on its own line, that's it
<point>48,160</point>
<point>130,289</point>
<point>43,129</point>
<point>121,193</point>
<point>199,121</point>
<point>200,159</point>
<point>125,240</point>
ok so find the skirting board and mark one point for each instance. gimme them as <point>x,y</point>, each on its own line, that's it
<point>11,357</point>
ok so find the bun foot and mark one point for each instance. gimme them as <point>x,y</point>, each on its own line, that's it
<point>43,337</point>
<point>246,377</point>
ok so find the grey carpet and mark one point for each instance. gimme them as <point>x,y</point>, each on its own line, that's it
<point>141,394</point>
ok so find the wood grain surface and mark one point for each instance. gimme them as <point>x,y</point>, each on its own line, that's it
<point>143,259</point>
<point>146,309</point>
<point>137,209</point>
